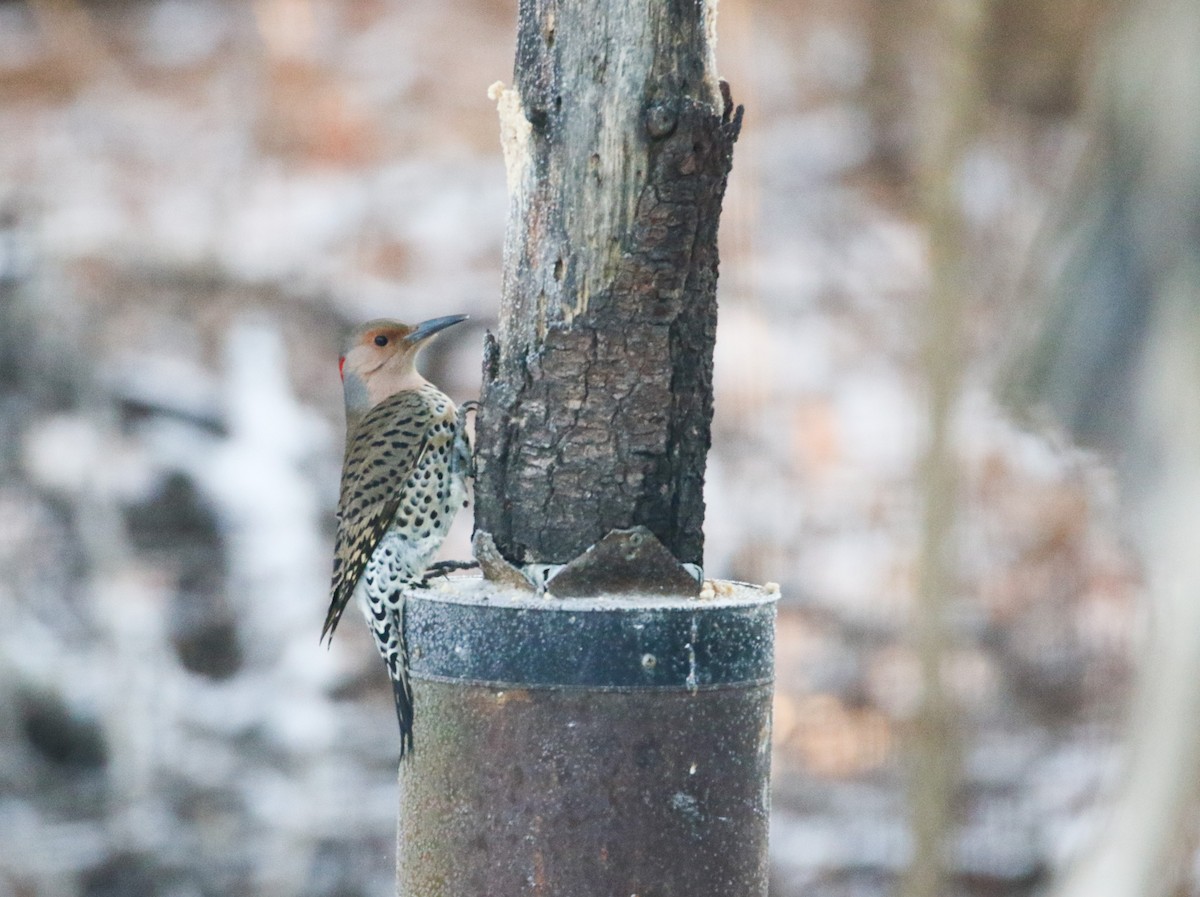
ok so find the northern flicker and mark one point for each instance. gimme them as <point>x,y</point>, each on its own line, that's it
<point>403,479</point>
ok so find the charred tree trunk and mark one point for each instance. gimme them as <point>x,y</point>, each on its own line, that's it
<point>597,393</point>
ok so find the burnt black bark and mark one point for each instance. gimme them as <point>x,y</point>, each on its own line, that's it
<point>597,394</point>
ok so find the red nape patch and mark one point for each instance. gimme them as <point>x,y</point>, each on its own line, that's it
<point>341,366</point>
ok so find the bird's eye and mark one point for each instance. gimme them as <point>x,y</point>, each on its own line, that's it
<point>381,340</point>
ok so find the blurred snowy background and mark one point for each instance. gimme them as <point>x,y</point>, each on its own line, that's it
<point>196,195</point>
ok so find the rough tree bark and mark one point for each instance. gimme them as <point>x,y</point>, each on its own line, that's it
<point>597,393</point>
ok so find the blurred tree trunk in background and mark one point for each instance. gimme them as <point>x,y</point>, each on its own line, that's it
<point>947,128</point>
<point>1118,361</point>
<point>597,393</point>
<point>1031,57</point>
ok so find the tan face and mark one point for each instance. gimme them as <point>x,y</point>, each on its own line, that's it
<point>379,360</point>
<point>373,346</point>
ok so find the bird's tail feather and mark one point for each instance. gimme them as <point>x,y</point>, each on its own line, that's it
<point>402,687</point>
<point>404,714</point>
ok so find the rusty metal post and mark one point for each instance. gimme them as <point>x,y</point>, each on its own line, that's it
<point>587,747</point>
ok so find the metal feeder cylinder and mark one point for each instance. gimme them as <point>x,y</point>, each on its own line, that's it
<point>587,747</point>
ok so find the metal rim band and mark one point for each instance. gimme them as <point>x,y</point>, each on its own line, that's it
<point>621,645</point>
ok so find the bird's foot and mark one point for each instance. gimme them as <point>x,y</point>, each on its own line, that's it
<point>441,568</point>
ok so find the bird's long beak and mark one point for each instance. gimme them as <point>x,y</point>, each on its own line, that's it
<point>428,328</point>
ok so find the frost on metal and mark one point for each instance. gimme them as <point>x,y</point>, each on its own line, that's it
<point>468,629</point>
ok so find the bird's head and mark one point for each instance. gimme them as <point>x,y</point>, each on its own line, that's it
<point>379,359</point>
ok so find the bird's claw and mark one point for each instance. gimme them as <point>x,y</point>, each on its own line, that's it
<point>441,568</point>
